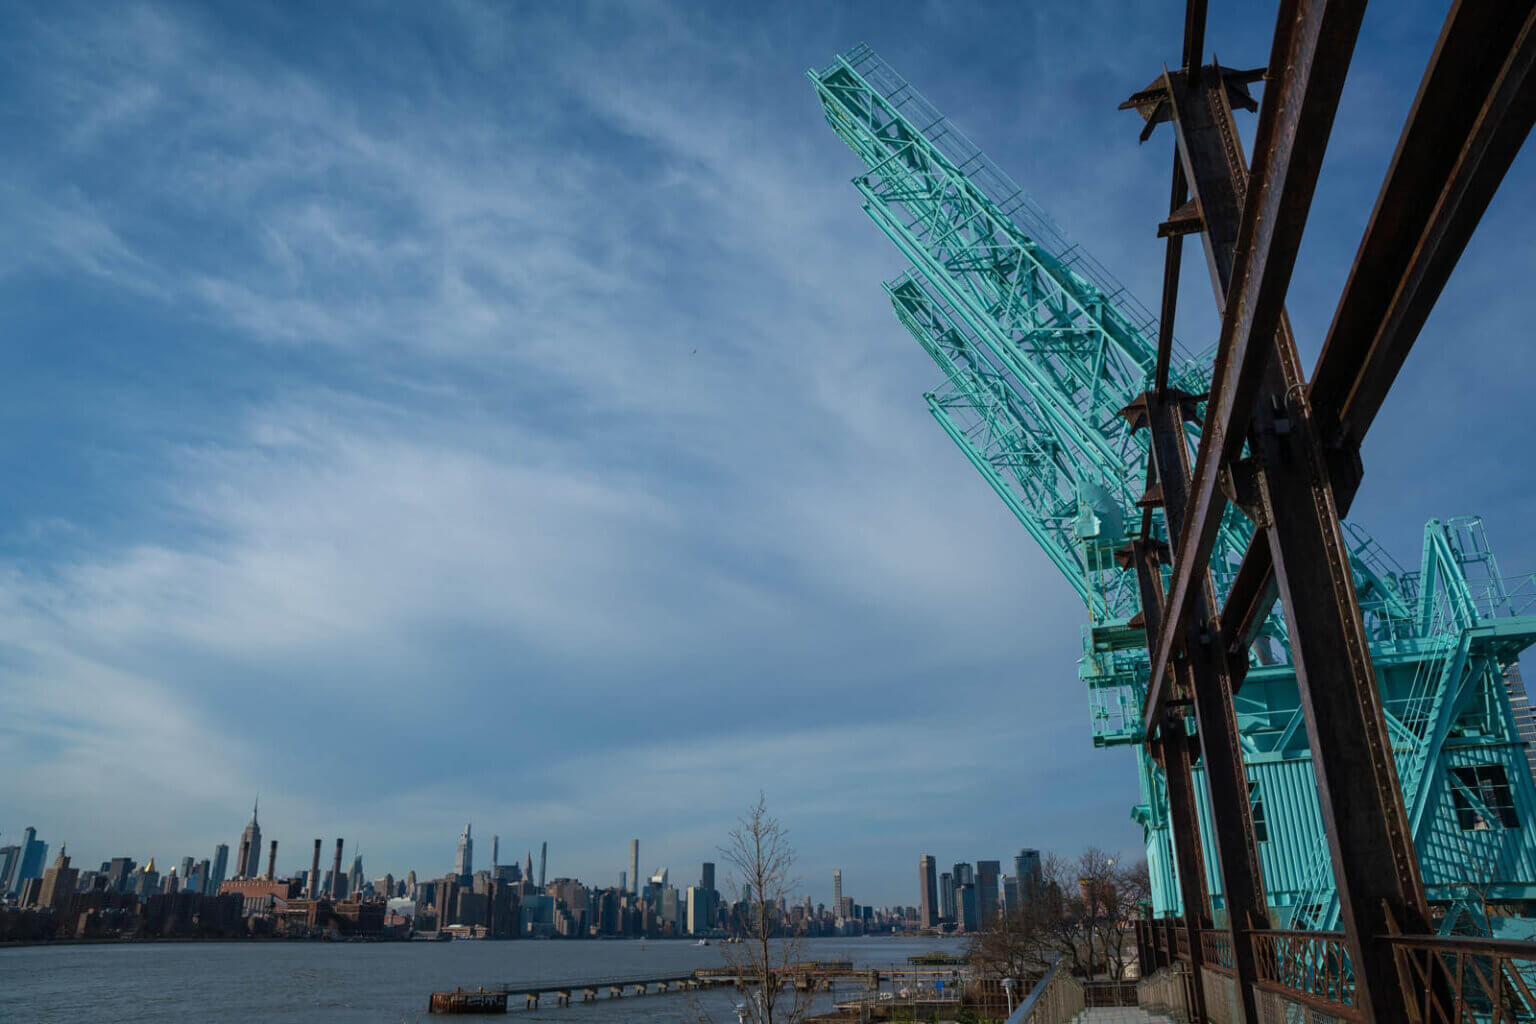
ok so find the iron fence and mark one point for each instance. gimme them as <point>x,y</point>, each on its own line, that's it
<point>1480,980</point>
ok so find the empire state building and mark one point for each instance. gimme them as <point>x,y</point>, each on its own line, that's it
<point>464,856</point>
<point>248,864</point>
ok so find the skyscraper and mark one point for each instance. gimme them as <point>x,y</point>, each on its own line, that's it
<point>464,857</point>
<point>10,857</point>
<point>58,883</point>
<point>29,860</point>
<point>495,853</point>
<point>149,880</point>
<point>634,866</point>
<point>947,896</point>
<point>707,876</point>
<point>355,875</point>
<point>987,872</point>
<point>1027,875</point>
<point>837,889</point>
<point>220,868</point>
<point>699,914</point>
<point>248,865</point>
<point>543,858</point>
<point>927,891</point>
<point>968,918</point>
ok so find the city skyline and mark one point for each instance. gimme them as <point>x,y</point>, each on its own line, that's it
<point>295,860</point>
<point>342,416</point>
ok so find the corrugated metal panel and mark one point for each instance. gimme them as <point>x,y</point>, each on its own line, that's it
<point>1295,848</point>
<point>1450,856</point>
<point>1294,858</point>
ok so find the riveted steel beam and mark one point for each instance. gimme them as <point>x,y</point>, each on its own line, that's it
<point>1473,111</point>
<point>1205,674</point>
<point>1314,40</point>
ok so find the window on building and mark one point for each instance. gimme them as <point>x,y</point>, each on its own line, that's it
<point>1483,798</point>
<point>1260,825</point>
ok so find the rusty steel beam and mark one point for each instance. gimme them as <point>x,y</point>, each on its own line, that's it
<point>1288,493</point>
<point>1171,260</point>
<point>1172,751</point>
<point>1258,397</point>
<point>1194,48</point>
<point>1314,41</point>
<point>1473,111</point>
<point>1205,674</point>
<point>1194,35</point>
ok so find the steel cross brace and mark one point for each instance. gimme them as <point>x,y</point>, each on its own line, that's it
<point>1203,668</point>
<point>1171,750</point>
<point>1259,396</point>
<point>1473,111</point>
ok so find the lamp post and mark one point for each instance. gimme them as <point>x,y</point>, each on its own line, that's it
<point>1008,984</point>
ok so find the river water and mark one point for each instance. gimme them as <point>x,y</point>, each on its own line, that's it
<point>331,983</point>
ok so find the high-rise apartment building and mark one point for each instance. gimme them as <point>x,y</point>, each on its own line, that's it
<point>248,864</point>
<point>927,891</point>
<point>947,896</point>
<point>543,861</point>
<point>837,889</point>
<point>634,866</point>
<point>987,873</point>
<point>464,857</point>
<point>10,856</point>
<point>700,916</point>
<point>968,914</point>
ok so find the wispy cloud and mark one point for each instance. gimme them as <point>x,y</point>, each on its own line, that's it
<point>419,409</point>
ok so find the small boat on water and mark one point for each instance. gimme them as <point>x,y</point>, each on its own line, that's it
<point>702,942</point>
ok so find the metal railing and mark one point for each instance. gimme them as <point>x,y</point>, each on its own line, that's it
<point>1466,980</point>
<point>1056,999</point>
<point>1447,979</point>
<point>1308,967</point>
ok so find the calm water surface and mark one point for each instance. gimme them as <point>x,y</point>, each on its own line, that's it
<point>310,983</point>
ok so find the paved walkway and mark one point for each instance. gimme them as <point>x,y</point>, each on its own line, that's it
<point>1119,1015</point>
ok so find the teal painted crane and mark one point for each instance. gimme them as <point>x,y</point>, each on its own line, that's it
<point>1040,349</point>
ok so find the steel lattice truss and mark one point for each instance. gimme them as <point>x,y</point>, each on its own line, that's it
<point>1042,351</point>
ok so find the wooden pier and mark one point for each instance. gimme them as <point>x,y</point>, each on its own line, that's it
<point>803,976</point>
<point>459,1001</point>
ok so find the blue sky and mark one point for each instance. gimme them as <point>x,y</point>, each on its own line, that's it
<point>434,412</point>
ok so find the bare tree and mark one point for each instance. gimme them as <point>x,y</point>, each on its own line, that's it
<point>1125,888</point>
<point>760,860</point>
<point>1013,948</point>
<point>1082,913</point>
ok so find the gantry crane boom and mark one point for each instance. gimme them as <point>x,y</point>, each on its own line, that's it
<point>1041,350</point>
